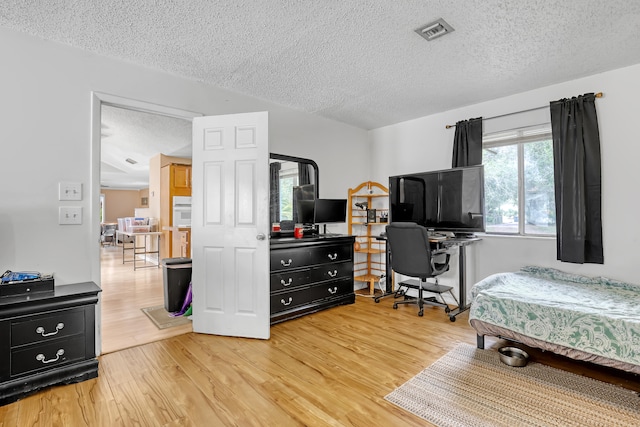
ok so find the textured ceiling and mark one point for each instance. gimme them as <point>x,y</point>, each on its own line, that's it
<point>358,62</point>
<point>138,136</point>
<point>355,61</point>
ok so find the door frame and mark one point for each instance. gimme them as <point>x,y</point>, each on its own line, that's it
<point>97,100</point>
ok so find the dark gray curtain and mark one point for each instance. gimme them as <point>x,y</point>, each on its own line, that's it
<point>576,156</point>
<point>303,174</point>
<point>467,144</point>
<point>274,191</point>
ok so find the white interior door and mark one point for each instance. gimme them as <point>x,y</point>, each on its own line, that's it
<point>230,224</point>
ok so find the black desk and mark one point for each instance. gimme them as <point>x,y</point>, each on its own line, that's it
<point>140,250</point>
<point>447,243</point>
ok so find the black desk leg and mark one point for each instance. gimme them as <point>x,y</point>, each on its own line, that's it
<point>388,277</point>
<point>462,283</point>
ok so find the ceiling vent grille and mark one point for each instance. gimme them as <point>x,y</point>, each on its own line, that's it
<point>434,29</point>
<point>130,160</point>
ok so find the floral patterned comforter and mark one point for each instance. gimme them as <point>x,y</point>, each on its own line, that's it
<point>592,314</point>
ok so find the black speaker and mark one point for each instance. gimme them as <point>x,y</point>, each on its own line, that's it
<point>371,215</point>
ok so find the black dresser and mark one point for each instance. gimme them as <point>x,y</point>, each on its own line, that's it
<point>47,339</point>
<point>310,274</point>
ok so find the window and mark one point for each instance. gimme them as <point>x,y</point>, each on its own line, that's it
<point>288,180</point>
<point>519,186</point>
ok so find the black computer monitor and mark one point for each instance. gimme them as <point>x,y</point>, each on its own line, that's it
<point>330,210</point>
<point>303,197</point>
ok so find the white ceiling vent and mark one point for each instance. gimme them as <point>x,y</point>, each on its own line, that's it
<point>434,29</point>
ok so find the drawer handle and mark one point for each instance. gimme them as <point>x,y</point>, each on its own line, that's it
<point>334,290</point>
<point>283,283</point>
<point>285,302</point>
<point>40,357</point>
<point>40,330</point>
<point>333,273</point>
<point>284,263</point>
<point>333,257</point>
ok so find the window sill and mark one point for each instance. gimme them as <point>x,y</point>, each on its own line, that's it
<point>515,236</point>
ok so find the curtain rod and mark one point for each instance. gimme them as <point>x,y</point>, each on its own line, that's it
<point>597,95</point>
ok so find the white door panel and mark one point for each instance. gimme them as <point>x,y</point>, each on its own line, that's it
<point>229,220</point>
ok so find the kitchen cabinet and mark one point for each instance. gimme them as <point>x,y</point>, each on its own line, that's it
<point>180,179</point>
<point>175,180</point>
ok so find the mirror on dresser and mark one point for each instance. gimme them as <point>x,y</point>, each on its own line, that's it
<point>289,174</point>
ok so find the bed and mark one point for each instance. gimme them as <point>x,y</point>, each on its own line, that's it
<point>594,319</point>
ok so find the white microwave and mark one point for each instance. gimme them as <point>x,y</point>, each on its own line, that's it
<point>181,211</point>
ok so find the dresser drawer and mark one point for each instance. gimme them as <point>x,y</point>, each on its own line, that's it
<point>293,279</point>
<point>43,327</point>
<point>296,298</point>
<point>288,280</point>
<point>289,300</point>
<point>284,259</point>
<point>331,272</point>
<point>329,254</point>
<point>36,357</point>
<point>333,289</point>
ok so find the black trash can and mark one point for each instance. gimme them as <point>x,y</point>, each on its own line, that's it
<point>177,276</point>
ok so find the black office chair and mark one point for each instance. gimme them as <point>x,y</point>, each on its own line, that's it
<point>411,256</point>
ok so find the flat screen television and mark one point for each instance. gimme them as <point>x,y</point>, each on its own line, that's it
<point>329,210</point>
<point>444,200</point>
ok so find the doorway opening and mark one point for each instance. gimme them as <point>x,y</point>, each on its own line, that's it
<point>125,135</point>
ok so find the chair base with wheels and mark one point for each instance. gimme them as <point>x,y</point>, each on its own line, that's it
<point>421,301</point>
<point>411,255</point>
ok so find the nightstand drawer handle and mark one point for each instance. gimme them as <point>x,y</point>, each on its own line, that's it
<point>286,303</point>
<point>333,274</point>
<point>283,283</point>
<point>40,330</point>
<point>333,257</point>
<point>40,357</point>
<point>334,290</point>
<point>284,263</point>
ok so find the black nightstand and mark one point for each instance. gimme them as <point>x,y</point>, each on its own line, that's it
<point>47,339</point>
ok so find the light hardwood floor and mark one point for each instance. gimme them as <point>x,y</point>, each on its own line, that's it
<point>124,293</point>
<point>329,368</point>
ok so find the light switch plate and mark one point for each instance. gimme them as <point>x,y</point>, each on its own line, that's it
<point>70,215</point>
<point>70,191</point>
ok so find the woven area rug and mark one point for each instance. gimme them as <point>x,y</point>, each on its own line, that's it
<point>471,387</point>
<point>162,319</point>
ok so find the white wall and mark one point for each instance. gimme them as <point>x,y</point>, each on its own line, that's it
<point>424,144</point>
<point>46,138</point>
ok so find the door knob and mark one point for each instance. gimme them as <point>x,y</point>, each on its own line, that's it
<point>261,236</point>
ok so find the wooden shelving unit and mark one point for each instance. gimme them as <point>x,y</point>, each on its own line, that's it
<point>370,253</point>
